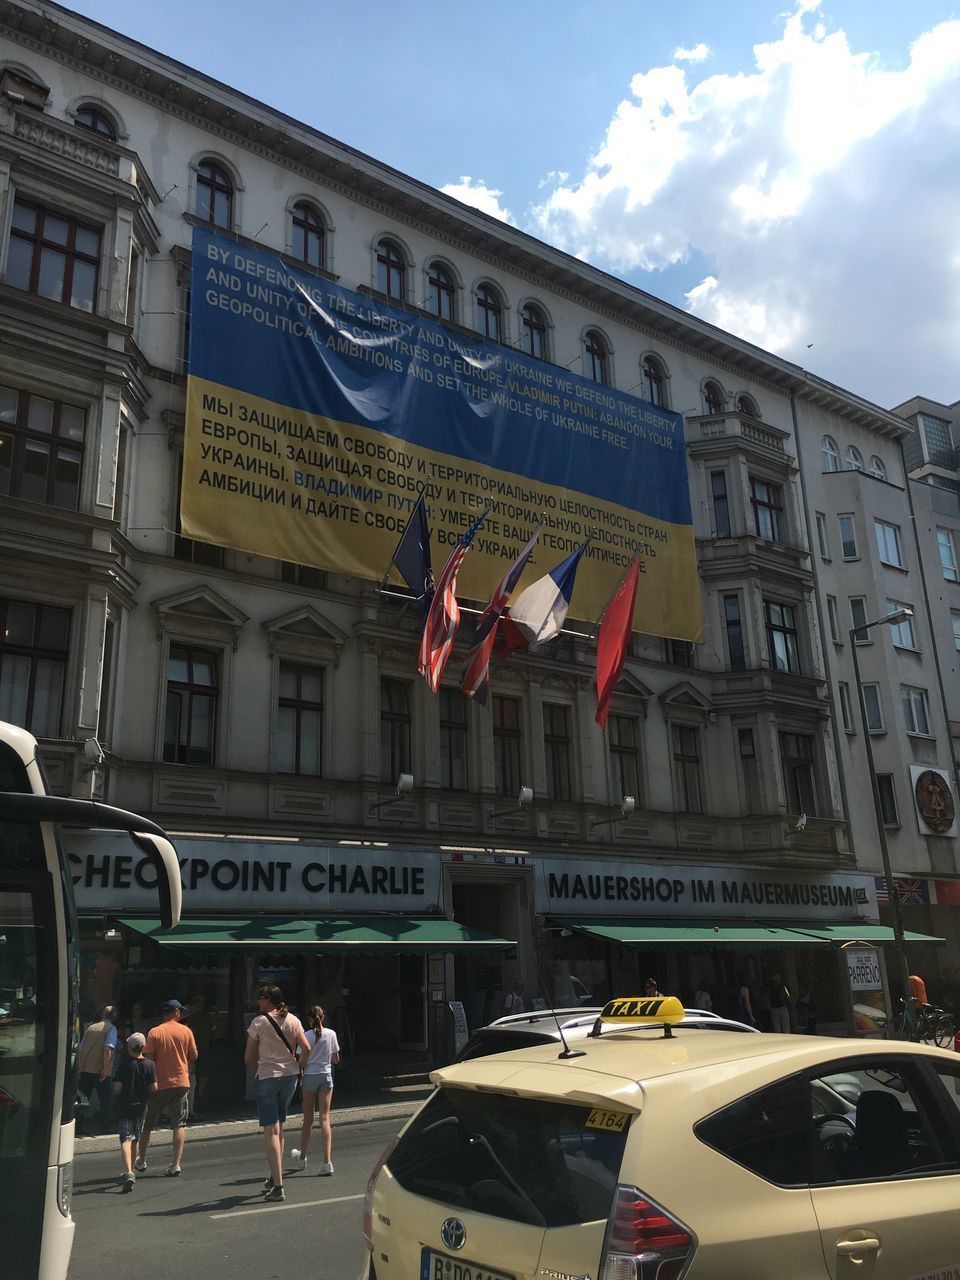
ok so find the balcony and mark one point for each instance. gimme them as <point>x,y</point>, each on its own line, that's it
<point>716,436</point>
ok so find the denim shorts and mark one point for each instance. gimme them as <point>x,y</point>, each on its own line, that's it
<point>130,1127</point>
<point>317,1081</point>
<point>273,1097</point>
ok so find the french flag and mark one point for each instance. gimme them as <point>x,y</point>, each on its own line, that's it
<point>538,614</point>
<point>476,673</point>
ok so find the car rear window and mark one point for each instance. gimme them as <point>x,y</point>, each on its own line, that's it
<point>546,1164</point>
<point>484,1043</point>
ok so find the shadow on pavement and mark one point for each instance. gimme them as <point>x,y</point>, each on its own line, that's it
<point>208,1206</point>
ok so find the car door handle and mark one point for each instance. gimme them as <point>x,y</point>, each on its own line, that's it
<point>847,1248</point>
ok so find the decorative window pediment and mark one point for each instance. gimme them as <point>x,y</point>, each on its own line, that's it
<point>305,633</point>
<point>199,612</point>
<point>631,688</point>
<point>684,701</point>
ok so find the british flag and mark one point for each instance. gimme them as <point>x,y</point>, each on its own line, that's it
<point>911,893</point>
<point>443,618</point>
<point>475,681</point>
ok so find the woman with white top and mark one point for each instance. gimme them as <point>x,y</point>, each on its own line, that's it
<point>273,1038</point>
<point>318,1067</point>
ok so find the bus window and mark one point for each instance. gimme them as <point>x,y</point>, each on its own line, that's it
<point>20,1029</point>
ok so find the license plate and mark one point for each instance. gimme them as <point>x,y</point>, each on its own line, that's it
<point>437,1266</point>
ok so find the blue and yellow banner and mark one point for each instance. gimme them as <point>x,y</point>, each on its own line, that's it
<point>316,415</point>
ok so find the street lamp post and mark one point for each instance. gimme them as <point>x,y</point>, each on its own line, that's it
<point>899,615</point>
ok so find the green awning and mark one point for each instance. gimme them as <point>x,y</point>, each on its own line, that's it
<point>421,935</point>
<point>873,934</point>
<point>671,933</point>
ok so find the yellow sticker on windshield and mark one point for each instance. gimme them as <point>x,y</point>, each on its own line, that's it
<point>612,1121</point>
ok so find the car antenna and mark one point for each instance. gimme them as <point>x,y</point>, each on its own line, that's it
<point>567,1051</point>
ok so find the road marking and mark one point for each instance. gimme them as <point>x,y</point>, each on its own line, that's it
<point>276,1208</point>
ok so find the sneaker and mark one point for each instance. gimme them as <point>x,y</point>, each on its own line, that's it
<point>274,1194</point>
<point>299,1161</point>
<point>140,1166</point>
<point>268,1184</point>
<point>172,1172</point>
<point>127,1181</point>
<point>325,1170</point>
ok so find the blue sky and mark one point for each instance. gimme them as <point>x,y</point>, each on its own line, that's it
<point>790,172</point>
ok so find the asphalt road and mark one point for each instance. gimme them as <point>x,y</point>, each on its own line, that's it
<point>211,1223</point>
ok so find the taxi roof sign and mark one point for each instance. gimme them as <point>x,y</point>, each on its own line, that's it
<point>664,1010</point>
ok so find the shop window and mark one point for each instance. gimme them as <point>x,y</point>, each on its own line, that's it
<point>799,773</point>
<point>507,745</point>
<point>888,800</point>
<point>734,629</point>
<point>441,292</point>
<point>782,651</point>
<point>654,381</point>
<point>557,749</point>
<point>750,768</point>
<point>189,726</point>
<point>686,768</point>
<point>767,502</point>
<point>829,454</point>
<point>598,357</point>
<point>721,505</point>
<point>713,399</point>
<point>33,663</point>
<point>915,711</point>
<point>453,740</point>
<point>395,725</point>
<point>300,720</point>
<point>53,256</point>
<point>303,575</point>
<point>391,271</point>
<point>97,121</point>
<point>848,537</point>
<point>888,543</point>
<point>846,710</point>
<point>533,331</point>
<point>623,736</point>
<point>948,555</point>
<point>214,194</point>
<point>307,241</point>
<point>489,313</point>
<point>41,448</point>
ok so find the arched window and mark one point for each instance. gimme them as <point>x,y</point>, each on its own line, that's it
<point>489,313</point>
<point>391,271</point>
<point>598,358</point>
<point>533,334</point>
<point>214,194</point>
<point>89,117</point>
<point>308,234</point>
<point>853,458</point>
<point>829,454</point>
<point>713,398</point>
<point>747,406</point>
<point>654,381</point>
<point>441,291</point>
<point>877,468</point>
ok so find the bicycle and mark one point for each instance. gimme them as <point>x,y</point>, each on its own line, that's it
<point>924,1024</point>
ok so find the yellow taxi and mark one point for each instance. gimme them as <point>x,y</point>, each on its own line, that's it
<point>655,1151</point>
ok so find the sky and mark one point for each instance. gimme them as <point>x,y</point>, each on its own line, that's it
<point>789,172</point>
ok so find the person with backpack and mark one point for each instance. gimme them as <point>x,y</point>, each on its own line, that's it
<point>318,1089</point>
<point>135,1080</point>
<point>272,1041</point>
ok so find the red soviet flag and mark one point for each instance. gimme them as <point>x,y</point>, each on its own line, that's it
<point>614,639</point>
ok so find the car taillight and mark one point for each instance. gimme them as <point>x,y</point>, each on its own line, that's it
<point>643,1241</point>
<point>367,1226</point>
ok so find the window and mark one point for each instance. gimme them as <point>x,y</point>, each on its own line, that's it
<point>53,257</point>
<point>888,543</point>
<point>747,406</point>
<point>796,755</point>
<point>822,540</point>
<point>303,575</point>
<point>489,313</point>
<point>41,449</point>
<point>858,616</point>
<point>901,633</point>
<point>937,441</point>
<point>751,770</point>
<point>767,501</point>
<point>598,357</point>
<point>833,619</point>
<point>686,768</point>
<point>915,710</point>
<point>394,729</point>
<point>189,549</point>
<point>888,800</point>
<point>308,234</point>
<point>877,469</point>
<point>507,744</point>
<point>453,740</point>
<point>734,628</point>
<point>713,399</point>
<point>853,458</point>
<point>89,117</point>
<point>948,557</point>
<point>846,711</point>
<point>33,664</point>
<point>133,282</point>
<point>654,381</point>
<point>441,292</point>
<point>533,331</point>
<point>955,619</point>
<point>848,537</point>
<point>781,636</point>
<point>829,454</point>
<point>391,271</point>
<point>300,720</point>
<point>680,652</point>
<point>556,741</point>
<point>624,757</point>
<point>721,507</point>
<point>874,707</point>
<point>191,708</point>
<point>214,194</point>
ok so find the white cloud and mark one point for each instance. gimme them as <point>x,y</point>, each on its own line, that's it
<point>699,53</point>
<point>818,185</point>
<point>480,196</point>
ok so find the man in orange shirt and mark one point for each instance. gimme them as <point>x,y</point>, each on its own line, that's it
<point>918,989</point>
<point>173,1049</point>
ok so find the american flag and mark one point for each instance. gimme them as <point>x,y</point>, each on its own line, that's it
<point>475,681</point>
<point>911,893</point>
<point>443,618</point>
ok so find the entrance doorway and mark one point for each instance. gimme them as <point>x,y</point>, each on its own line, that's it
<point>412,1002</point>
<point>481,982</point>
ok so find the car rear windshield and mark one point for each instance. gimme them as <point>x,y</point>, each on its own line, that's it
<point>484,1043</point>
<point>547,1164</point>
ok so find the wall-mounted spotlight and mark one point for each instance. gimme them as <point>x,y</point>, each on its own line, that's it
<point>627,806</point>
<point>524,801</point>
<point>404,787</point>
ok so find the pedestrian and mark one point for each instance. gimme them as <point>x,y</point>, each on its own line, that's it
<point>917,989</point>
<point>779,997</point>
<point>172,1048</point>
<point>201,1024</point>
<point>702,1000</point>
<point>743,1006</point>
<point>272,1041</point>
<point>318,1089</point>
<point>94,1061</point>
<point>807,1012</point>
<point>136,1081</point>
<point>650,987</point>
<point>514,1001</point>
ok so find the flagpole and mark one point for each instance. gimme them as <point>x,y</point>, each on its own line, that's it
<point>383,580</point>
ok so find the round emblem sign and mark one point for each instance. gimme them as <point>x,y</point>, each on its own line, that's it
<point>935,801</point>
<point>453,1233</point>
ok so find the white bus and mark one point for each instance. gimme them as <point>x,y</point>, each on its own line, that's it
<point>39,974</point>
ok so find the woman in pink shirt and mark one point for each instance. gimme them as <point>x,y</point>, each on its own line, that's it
<point>272,1041</point>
